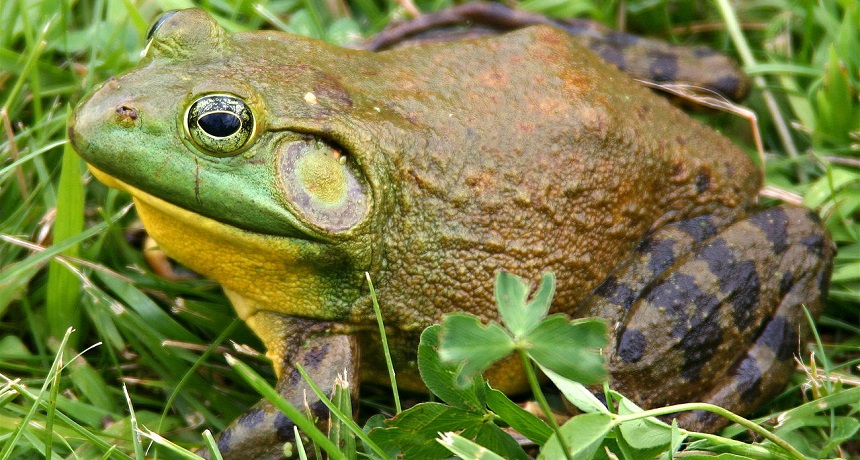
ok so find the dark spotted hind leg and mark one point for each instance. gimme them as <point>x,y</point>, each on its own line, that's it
<point>715,315</point>
<point>767,365</point>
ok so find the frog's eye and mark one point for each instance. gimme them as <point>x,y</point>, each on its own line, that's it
<point>153,29</point>
<point>158,24</point>
<point>220,124</point>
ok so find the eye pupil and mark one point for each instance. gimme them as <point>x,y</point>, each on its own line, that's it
<point>219,124</point>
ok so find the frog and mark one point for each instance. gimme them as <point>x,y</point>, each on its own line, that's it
<point>288,170</point>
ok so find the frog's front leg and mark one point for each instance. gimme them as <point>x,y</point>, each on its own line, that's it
<point>714,315</point>
<point>325,353</point>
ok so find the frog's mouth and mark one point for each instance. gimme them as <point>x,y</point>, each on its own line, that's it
<point>176,217</point>
<point>203,243</point>
<point>274,273</point>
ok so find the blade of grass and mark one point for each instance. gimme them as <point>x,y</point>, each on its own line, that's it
<point>758,429</point>
<point>13,276</point>
<point>64,288</point>
<point>193,369</point>
<point>212,445</point>
<point>742,45</point>
<point>464,448</point>
<point>32,59</point>
<point>135,429</point>
<point>348,421</point>
<point>388,364</point>
<point>171,446</point>
<point>52,399</point>
<point>300,445</point>
<point>23,425</point>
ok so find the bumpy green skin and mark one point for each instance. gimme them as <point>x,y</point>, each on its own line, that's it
<point>523,153</point>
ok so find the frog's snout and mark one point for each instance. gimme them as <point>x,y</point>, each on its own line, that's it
<point>103,120</point>
<point>76,130</point>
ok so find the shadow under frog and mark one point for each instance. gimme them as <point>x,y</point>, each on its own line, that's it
<point>286,168</point>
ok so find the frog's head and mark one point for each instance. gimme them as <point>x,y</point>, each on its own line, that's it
<point>241,162</point>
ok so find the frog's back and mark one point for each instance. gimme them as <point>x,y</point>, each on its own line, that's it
<point>528,153</point>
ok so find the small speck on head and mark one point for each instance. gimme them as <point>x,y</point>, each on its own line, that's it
<point>310,98</point>
<point>126,116</point>
<point>126,111</point>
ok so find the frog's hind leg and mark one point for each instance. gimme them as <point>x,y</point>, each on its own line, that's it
<point>804,276</point>
<point>714,315</point>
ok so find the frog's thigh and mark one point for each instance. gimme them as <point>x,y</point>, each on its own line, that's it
<point>715,315</point>
<point>326,356</point>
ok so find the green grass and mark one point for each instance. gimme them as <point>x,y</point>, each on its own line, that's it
<point>65,259</point>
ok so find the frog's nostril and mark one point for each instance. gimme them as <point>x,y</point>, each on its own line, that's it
<point>126,111</point>
<point>126,116</point>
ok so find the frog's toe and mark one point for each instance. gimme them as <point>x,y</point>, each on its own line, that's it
<point>329,359</point>
<point>261,433</point>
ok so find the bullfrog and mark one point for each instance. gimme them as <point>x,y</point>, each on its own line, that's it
<point>286,169</point>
